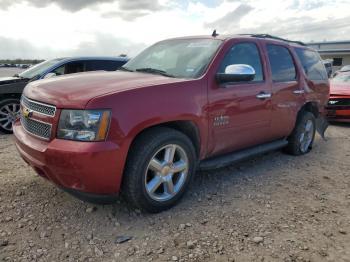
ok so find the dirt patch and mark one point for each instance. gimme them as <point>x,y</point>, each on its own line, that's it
<point>272,208</point>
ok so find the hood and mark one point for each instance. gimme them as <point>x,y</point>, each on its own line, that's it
<point>340,88</point>
<point>75,91</point>
<point>10,80</point>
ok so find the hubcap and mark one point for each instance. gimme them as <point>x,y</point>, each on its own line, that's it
<point>8,114</point>
<point>306,136</point>
<point>166,173</point>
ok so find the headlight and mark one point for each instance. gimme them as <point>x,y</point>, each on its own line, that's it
<point>83,125</point>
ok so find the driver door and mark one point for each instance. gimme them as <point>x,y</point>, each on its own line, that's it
<point>240,112</point>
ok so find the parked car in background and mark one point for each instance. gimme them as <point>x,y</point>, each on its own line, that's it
<point>342,70</point>
<point>345,68</point>
<point>182,104</point>
<point>339,102</point>
<point>11,87</point>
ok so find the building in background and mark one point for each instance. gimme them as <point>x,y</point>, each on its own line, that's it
<point>337,51</point>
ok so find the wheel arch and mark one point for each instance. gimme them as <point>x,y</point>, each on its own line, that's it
<point>311,107</point>
<point>10,96</point>
<point>187,127</point>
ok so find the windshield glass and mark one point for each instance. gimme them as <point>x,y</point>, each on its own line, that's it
<point>182,58</point>
<point>342,78</point>
<point>39,68</point>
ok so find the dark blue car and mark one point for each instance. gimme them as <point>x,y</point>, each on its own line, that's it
<point>11,88</point>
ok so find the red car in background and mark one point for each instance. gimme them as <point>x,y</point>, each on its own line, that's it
<point>339,102</point>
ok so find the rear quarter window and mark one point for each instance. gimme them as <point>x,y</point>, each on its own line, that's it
<point>312,64</point>
<point>281,63</point>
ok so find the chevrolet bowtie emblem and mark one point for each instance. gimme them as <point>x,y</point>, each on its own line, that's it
<point>27,113</point>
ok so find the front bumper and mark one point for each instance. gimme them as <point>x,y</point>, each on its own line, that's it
<point>338,109</point>
<point>87,167</point>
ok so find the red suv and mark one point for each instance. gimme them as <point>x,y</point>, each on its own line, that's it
<point>183,104</point>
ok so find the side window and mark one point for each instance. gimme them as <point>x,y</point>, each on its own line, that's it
<point>60,70</point>
<point>106,65</point>
<point>281,62</point>
<point>312,64</point>
<point>244,53</point>
<point>70,68</point>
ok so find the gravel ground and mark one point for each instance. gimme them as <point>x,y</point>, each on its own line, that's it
<point>274,207</point>
<point>10,71</point>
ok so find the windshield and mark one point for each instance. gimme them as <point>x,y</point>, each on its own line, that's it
<point>342,78</point>
<point>182,58</point>
<point>39,68</point>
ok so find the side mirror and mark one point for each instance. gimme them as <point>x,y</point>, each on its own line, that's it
<point>49,75</point>
<point>236,73</point>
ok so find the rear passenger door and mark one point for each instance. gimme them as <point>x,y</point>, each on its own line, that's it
<point>286,92</point>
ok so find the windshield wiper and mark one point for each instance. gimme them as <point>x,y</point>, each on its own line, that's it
<point>122,68</point>
<point>18,76</point>
<point>154,71</point>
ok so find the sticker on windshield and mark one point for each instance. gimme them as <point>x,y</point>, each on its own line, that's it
<point>189,69</point>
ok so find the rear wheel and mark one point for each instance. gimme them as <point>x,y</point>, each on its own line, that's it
<point>159,169</point>
<point>301,140</point>
<point>9,112</point>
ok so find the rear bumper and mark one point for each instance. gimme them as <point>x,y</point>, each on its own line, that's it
<point>86,167</point>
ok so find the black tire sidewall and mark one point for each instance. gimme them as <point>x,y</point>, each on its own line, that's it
<point>299,129</point>
<point>147,149</point>
<point>3,103</point>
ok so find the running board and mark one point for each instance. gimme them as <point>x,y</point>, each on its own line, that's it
<point>228,159</point>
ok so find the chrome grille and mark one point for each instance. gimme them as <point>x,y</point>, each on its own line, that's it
<point>36,128</point>
<point>38,107</point>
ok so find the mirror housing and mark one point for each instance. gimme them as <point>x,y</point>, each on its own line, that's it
<point>236,73</point>
<point>49,75</point>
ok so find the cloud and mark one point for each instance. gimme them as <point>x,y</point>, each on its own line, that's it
<point>231,19</point>
<point>76,5</point>
<point>102,45</point>
<point>127,16</point>
<point>307,5</point>
<point>305,28</point>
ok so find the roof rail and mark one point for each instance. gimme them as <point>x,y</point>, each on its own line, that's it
<point>276,38</point>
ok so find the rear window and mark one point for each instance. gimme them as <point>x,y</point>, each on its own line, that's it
<point>312,64</point>
<point>281,62</point>
<point>106,65</point>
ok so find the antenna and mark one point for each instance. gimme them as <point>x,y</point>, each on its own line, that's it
<point>214,34</point>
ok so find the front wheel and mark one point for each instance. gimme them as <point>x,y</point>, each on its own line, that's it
<point>9,112</point>
<point>158,170</point>
<point>301,140</point>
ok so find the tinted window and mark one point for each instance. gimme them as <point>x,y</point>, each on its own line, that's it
<point>337,61</point>
<point>70,68</point>
<point>281,62</point>
<point>106,65</point>
<point>244,53</point>
<point>312,64</point>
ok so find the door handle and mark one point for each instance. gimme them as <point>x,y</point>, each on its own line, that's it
<point>263,96</point>
<point>298,92</point>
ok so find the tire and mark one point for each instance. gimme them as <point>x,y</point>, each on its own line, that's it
<point>148,176</point>
<point>301,140</point>
<point>9,111</point>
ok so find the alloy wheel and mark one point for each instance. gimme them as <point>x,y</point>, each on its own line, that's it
<point>166,173</point>
<point>306,136</point>
<point>8,114</point>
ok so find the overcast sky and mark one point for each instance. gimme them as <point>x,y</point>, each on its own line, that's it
<point>53,28</point>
